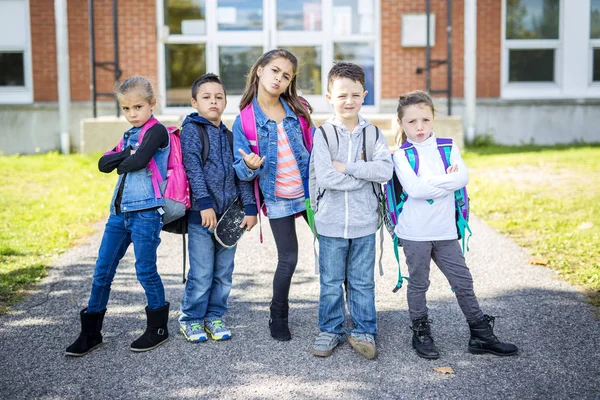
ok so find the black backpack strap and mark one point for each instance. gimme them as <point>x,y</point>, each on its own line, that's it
<point>205,142</point>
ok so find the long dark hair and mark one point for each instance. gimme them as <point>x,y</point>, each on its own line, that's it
<point>298,104</point>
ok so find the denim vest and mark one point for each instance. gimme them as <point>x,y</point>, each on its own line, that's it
<point>138,191</point>
<point>267,144</point>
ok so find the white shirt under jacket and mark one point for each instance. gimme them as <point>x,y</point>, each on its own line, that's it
<point>419,220</point>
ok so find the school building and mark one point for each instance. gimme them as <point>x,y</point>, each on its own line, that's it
<point>519,71</point>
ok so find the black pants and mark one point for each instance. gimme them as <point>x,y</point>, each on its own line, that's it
<point>286,240</point>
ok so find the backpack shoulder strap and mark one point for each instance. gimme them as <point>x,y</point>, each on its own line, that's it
<point>205,143</point>
<point>248,121</point>
<point>307,135</point>
<point>444,146</point>
<point>412,155</point>
<point>370,141</point>
<point>229,135</point>
<point>146,127</point>
<point>329,131</point>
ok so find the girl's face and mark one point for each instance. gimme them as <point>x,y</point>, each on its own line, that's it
<point>417,122</point>
<point>136,108</point>
<point>275,77</point>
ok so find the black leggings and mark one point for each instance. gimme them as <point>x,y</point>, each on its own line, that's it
<point>284,232</point>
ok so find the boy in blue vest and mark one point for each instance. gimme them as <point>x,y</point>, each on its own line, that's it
<point>214,187</point>
<point>347,214</point>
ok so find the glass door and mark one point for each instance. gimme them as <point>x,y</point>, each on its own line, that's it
<point>227,36</point>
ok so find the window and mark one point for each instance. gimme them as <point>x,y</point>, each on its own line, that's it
<point>532,40</point>
<point>15,53</point>
<point>595,39</point>
<point>234,64</point>
<point>235,15</point>
<point>185,17</point>
<point>184,64</point>
<point>299,15</point>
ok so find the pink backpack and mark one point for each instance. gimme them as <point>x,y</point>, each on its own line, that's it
<point>176,188</point>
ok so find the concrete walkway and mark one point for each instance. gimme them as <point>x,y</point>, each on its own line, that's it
<point>556,330</point>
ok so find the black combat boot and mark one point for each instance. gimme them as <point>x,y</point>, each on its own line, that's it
<point>483,339</point>
<point>422,341</point>
<point>90,336</point>
<point>278,322</point>
<point>157,331</point>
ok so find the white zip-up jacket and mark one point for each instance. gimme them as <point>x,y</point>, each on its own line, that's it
<point>419,220</point>
<point>349,209</point>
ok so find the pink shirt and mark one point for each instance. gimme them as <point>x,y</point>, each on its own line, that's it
<point>288,181</point>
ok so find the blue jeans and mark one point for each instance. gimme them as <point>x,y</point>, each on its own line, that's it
<point>142,228</point>
<point>349,262</point>
<point>209,278</point>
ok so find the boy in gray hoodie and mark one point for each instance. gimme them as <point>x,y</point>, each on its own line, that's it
<point>347,173</point>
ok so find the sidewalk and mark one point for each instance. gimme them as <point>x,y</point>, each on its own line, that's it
<point>555,329</point>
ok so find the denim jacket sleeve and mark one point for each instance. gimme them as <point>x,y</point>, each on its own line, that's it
<point>191,148</point>
<point>240,141</point>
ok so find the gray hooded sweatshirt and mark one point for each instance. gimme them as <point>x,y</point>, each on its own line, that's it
<point>349,208</point>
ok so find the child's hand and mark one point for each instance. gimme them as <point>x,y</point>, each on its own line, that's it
<point>253,161</point>
<point>249,222</point>
<point>339,166</point>
<point>131,152</point>
<point>452,168</point>
<point>209,218</point>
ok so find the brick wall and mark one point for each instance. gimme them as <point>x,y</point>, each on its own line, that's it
<point>399,63</point>
<point>137,45</point>
<point>43,50</point>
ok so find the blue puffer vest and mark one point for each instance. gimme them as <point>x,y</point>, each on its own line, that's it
<point>138,192</point>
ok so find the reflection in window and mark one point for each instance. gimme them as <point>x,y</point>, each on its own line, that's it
<point>184,64</point>
<point>234,65</point>
<point>362,54</point>
<point>235,15</point>
<point>299,15</point>
<point>532,19</point>
<point>595,19</point>
<point>12,69</point>
<point>185,17</point>
<point>596,71</point>
<point>353,17</point>
<point>309,68</point>
<point>531,65</point>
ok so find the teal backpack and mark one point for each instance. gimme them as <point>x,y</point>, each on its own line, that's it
<point>394,197</point>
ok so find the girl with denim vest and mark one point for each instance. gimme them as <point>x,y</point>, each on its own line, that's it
<point>135,217</point>
<point>282,171</point>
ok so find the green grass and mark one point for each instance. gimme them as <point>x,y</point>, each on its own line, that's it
<point>48,203</point>
<point>548,201</point>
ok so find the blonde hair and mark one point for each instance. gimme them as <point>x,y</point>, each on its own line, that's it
<point>298,105</point>
<point>136,82</point>
<point>411,99</point>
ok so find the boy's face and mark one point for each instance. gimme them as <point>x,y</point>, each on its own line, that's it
<point>210,102</point>
<point>417,122</point>
<point>346,96</point>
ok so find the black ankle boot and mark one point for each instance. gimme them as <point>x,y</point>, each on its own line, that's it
<point>90,336</point>
<point>157,331</point>
<point>422,341</point>
<point>278,322</point>
<point>483,339</point>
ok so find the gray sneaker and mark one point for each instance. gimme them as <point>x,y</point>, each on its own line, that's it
<point>325,343</point>
<point>364,343</point>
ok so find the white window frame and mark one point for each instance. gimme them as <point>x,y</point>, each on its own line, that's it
<point>515,90</point>
<point>267,38</point>
<point>20,94</point>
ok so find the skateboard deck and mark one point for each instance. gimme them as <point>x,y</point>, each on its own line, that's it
<point>228,230</point>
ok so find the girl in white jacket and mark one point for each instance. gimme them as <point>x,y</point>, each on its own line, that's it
<point>427,230</point>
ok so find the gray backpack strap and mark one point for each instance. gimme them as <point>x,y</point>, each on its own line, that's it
<point>370,139</point>
<point>328,134</point>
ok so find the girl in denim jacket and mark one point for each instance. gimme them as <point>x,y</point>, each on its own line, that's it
<point>135,217</point>
<point>282,171</point>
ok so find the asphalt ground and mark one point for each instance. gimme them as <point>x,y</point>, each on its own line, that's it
<point>556,330</point>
